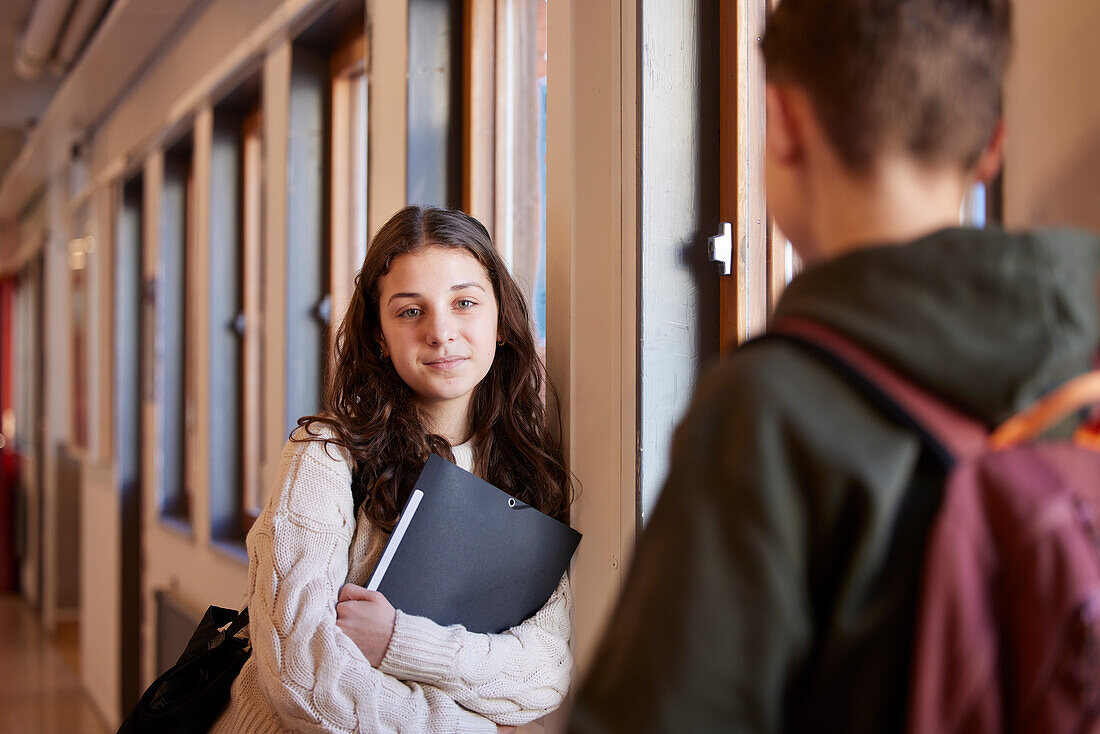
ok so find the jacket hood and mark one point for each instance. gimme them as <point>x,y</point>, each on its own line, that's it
<point>986,319</point>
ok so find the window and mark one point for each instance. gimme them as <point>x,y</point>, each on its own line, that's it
<point>128,425</point>
<point>128,347</point>
<point>307,250</point>
<point>177,196</point>
<point>234,285</point>
<point>435,103</point>
<point>348,168</point>
<point>505,137</point>
<point>327,173</point>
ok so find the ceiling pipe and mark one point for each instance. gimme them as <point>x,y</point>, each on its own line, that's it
<point>40,37</point>
<point>81,23</point>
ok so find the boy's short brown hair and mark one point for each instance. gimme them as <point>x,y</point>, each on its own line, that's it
<point>921,77</point>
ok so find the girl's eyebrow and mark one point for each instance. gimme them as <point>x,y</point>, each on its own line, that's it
<point>457,287</point>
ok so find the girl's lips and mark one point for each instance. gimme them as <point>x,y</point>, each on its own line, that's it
<point>446,364</point>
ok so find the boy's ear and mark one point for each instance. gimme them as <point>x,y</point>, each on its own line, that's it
<point>784,138</point>
<point>989,162</point>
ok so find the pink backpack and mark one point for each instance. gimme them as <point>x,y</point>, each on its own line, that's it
<point>1007,636</point>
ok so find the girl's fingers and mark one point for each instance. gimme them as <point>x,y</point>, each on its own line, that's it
<point>354,592</point>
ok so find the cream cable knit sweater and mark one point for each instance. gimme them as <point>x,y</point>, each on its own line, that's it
<point>306,675</point>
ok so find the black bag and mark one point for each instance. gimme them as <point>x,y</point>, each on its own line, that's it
<point>189,696</point>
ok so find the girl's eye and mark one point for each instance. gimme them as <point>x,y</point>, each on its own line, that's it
<point>466,303</point>
<point>410,313</point>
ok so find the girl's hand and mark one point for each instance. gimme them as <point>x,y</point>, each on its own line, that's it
<point>367,618</point>
<point>501,729</point>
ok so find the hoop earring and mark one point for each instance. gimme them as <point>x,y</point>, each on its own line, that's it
<point>500,342</point>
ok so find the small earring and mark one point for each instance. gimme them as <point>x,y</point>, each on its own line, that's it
<point>500,342</point>
<point>382,353</point>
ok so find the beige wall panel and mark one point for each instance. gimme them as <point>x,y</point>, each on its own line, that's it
<point>1052,109</point>
<point>276,110</point>
<point>101,512</point>
<point>591,274</point>
<point>101,325</point>
<point>198,329</point>
<point>200,575</point>
<point>58,388</point>
<point>100,590</point>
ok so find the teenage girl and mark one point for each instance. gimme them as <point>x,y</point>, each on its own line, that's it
<point>434,356</point>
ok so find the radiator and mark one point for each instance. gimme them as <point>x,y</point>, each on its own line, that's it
<point>175,624</point>
<point>70,474</point>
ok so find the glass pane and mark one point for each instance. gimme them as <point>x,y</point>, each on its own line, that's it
<point>520,226</point>
<point>171,328</point>
<point>359,170</point>
<point>973,209</point>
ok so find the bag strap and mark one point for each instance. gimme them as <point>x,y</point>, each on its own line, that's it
<point>237,624</point>
<point>945,429</point>
<point>1077,394</point>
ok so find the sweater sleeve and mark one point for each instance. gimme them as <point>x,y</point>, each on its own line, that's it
<point>315,677</point>
<point>511,678</point>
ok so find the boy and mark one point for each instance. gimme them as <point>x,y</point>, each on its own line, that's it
<point>774,588</point>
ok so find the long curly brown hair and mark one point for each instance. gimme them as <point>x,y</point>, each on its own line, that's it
<point>373,414</point>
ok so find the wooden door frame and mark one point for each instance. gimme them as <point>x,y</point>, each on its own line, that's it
<point>759,266</point>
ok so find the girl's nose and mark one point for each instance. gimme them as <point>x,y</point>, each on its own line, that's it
<point>441,329</point>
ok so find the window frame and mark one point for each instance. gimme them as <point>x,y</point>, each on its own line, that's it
<point>79,304</point>
<point>176,505</point>
<point>503,190</point>
<point>252,325</point>
<point>349,172</point>
<point>766,262</point>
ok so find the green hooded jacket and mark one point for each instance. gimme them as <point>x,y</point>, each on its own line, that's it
<point>774,588</point>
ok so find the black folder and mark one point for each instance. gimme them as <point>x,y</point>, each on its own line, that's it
<point>464,552</point>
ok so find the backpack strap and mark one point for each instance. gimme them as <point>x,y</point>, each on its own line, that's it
<point>949,432</point>
<point>1077,394</point>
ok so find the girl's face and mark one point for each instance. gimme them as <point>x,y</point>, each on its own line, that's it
<point>438,317</point>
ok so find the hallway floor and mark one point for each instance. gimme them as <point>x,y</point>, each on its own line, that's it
<point>40,691</point>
